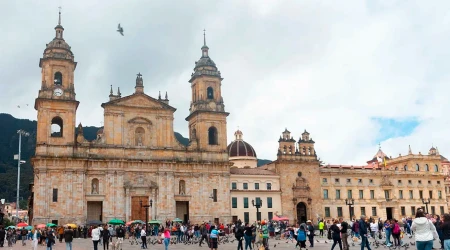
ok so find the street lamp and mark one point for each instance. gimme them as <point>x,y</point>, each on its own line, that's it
<point>258,205</point>
<point>350,203</point>
<point>146,212</point>
<point>19,161</point>
<point>426,202</point>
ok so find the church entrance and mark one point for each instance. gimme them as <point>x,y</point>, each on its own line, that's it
<point>389,213</point>
<point>183,210</point>
<point>94,210</point>
<point>138,212</point>
<point>301,212</point>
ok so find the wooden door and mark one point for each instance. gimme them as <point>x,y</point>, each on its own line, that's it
<point>138,212</point>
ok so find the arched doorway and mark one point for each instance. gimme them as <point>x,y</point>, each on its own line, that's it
<point>301,212</point>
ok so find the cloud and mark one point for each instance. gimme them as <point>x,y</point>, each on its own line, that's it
<point>341,71</point>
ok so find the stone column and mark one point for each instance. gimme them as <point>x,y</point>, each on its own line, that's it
<point>153,197</point>
<point>127,204</point>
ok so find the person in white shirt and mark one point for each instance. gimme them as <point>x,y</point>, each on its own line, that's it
<point>373,228</point>
<point>144,238</point>
<point>95,236</point>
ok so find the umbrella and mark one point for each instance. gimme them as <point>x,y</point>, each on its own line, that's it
<point>50,225</point>
<point>94,222</point>
<point>71,225</point>
<point>177,220</point>
<point>138,222</point>
<point>116,222</point>
<point>11,227</point>
<point>22,224</point>
<point>128,223</point>
<point>154,222</point>
<point>276,218</point>
<point>40,226</point>
<point>28,227</point>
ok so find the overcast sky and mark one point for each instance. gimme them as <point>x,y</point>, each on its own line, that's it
<point>352,73</point>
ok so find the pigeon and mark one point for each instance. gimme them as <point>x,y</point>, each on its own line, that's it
<point>326,242</point>
<point>120,29</point>
<point>317,241</point>
<point>275,245</point>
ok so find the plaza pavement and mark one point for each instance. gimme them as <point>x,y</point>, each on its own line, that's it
<point>323,244</point>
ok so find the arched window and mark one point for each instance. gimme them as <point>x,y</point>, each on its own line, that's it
<point>290,149</point>
<point>309,151</point>
<point>427,168</point>
<point>405,168</point>
<point>210,93</point>
<point>58,78</point>
<point>139,135</point>
<point>182,187</point>
<point>284,149</point>
<point>304,150</point>
<point>417,167</point>
<point>396,168</point>
<point>95,186</point>
<point>436,168</point>
<point>57,127</point>
<point>212,136</point>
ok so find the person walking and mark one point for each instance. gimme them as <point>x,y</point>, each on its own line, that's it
<point>144,237</point>
<point>344,233</point>
<point>424,231</point>
<point>106,235</point>
<point>35,239</point>
<point>204,233</point>
<point>396,231</point>
<point>445,227</point>
<point>68,238</point>
<point>95,237</point>
<point>120,234</point>
<point>301,236</point>
<point>363,231</point>
<point>213,238</point>
<point>321,225</point>
<point>248,236</point>
<point>373,228</point>
<point>310,232</point>
<point>166,235</point>
<point>50,239</point>
<point>239,236</point>
<point>336,234</point>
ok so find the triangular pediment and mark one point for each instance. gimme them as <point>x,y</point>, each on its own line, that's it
<point>139,101</point>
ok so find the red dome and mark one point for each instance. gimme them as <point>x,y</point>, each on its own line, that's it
<point>239,147</point>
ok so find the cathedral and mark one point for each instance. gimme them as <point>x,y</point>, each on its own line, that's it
<point>136,163</point>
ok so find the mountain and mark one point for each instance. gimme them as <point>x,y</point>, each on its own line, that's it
<point>9,143</point>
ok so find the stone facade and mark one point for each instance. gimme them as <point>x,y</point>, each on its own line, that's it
<point>135,158</point>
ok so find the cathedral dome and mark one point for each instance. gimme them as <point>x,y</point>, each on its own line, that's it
<point>240,148</point>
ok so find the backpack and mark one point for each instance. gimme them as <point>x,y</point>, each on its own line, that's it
<point>396,229</point>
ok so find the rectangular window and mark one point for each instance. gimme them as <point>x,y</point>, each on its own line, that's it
<point>400,194</point>
<point>257,200</point>
<point>411,194</point>
<point>403,211</point>
<point>324,180</point>
<point>339,211</point>
<point>349,194</point>
<point>374,211</point>
<point>441,208</point>
<point>269,202</point>
<point>429,182</point>
<point>372,194</point>
<point>363,211</point>
<point>256,186</point>
<point>359,180</point>
<point>386,194</point>
<point>349,180</point>
<point>270,215</point>
<point>233,202</point>
<point>439,194</point>
<point>55,195</point>
<point>233,185</point>
<point>409,181</point>
<point>215,195</point>
<point>399,181</point>
<point>438,182</point>
<point>413,211</point>
<point>361,194</point>
<point>269,186</point>
<point>420,194</point>
<point>433,210</point>
<point>430,193</point>
<point>336,180</point>
<point>246,217</point>
<point>245,202</point>
<point>371,181</point>
<point>325,193</point>
<point>420,182</point>
<point>338,194</point>
<point>327,212</point>
<point>245,186</point>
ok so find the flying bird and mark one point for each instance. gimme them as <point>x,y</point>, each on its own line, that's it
<point>120,29</point>
<point>18,106</point>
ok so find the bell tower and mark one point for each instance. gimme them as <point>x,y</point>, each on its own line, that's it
<point>56,103</point>
<point>207,118</point>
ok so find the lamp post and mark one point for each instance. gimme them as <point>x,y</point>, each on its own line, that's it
<point>24,133</point>
<point>258,205</point>
<point>350,203</point>
<point>426,202</point>
<point>146,212</point>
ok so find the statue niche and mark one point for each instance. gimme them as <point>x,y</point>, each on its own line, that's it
<point>94,185</point>
<point>182,187</point>
<point>139,135</point>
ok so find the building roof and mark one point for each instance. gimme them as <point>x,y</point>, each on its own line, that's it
<point>250,171</point>
<point>239,147</point>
